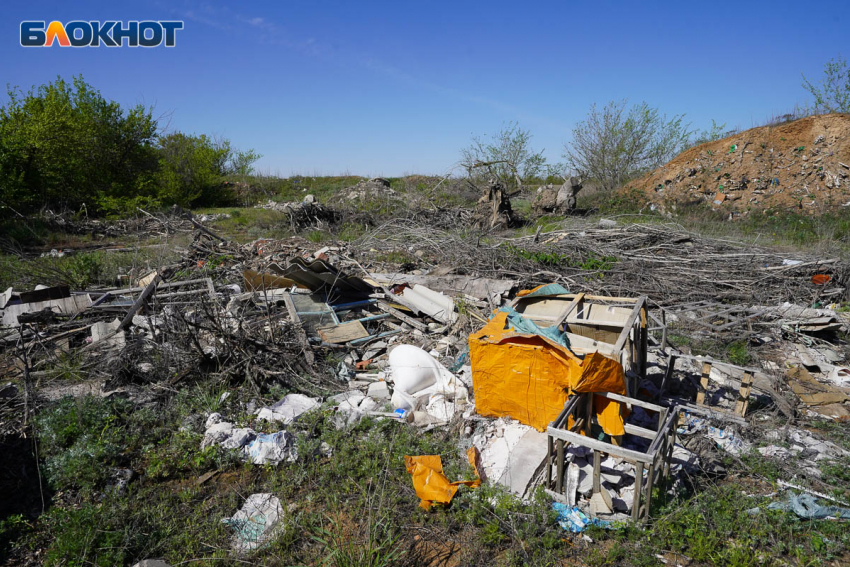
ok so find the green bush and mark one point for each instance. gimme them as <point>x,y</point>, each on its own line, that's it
<point>64,145</point>
<point>77,437</point>
<point>83,537</point>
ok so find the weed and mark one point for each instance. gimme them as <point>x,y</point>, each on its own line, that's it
<point>352,231</point>
<point>82,537</point>
<point>379,549</point>
<point>537,256</point>
<point>317,236</point>
<point>78,437</point>
<point>739,353</point>
<point>396,257</point>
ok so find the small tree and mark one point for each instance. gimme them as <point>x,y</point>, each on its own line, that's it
<point>834,92</point>
<point>191,168</point>
<point>615,145</point>
<point>507,155</point>
<point>63,144</point>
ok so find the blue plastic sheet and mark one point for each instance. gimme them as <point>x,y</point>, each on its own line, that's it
<point>805,506</point>
<point>529,327</point>
<point>462,359</point>
<point>549,289</point>
<point>572,519</point>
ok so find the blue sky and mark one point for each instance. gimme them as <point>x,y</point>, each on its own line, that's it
<point>388,88</point>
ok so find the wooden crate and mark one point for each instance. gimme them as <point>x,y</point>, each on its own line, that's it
<point>655,461</point>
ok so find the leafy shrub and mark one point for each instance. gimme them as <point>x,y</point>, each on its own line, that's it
<point>77,437</point>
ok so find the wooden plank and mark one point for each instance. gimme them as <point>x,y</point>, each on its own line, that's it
<point>703,383</point>
<point>718,363</point>
<point>663,431</point>
<point>644,344</point>
<point>149,289</point>
<point>569,406</point>
<point>559,481</point>
<point>648,495</point>
<point>669,456</point>
<point>589,297</point>
<point>594,323</point>
<point>592,443</point>
<point>597,470</point>
<point>167,285</point>
<point>668,373</point>
<point>744,395</point>
<point>639,431</point>
<point>638,491</point>
<point>714,413</point>
<point>633,401</point>
<point>569,309</point>
<point>384,306</point>
<point>629,324</point>
<point>343,332</point>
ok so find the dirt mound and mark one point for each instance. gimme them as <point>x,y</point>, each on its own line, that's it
<point>802,166</point>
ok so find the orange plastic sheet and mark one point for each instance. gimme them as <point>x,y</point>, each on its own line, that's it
<point>431,485</point>
<point>530,378</point>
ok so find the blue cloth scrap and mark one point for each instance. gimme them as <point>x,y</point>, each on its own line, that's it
<point>529,327</point>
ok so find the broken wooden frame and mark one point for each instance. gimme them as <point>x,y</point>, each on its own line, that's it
<point>718,317</point>
<point>614,326</point>
<point>170,291</point>
<point>746,385</point>
<point>580,411</point>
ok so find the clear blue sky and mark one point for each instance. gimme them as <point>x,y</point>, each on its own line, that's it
<point>399,87</point>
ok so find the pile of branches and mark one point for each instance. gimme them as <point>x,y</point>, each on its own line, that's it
<point>664,261</point>
<point>233,339</point>
<point>168,221</point>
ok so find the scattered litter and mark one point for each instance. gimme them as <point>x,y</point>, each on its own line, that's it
<point>572,519</point>
<point>431,485</point>
<point>806,506</point>
<point>288,409</point>
<point>256,523</point>
<point>258,448</point>
<point>271,448</point>
<point>726,439</point>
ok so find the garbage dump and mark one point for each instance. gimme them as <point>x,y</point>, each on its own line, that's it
<point>548,383</point>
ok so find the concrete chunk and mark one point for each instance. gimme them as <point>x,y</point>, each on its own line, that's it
<point>378,391</point>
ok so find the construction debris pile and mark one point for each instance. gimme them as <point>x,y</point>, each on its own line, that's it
<point>556,378</point>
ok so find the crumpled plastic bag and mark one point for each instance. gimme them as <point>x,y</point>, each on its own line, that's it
<point>572,519</point>
<point>431,485</point>
<point>225,434</point>
<point>256,523</point>
<point>805,506</point>
<point>271,448</point>
<point>258,448</point>
<point>288,409</point>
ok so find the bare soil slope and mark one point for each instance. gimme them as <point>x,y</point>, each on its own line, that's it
<point>802,166</point>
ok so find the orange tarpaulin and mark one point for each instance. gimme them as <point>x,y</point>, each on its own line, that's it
<point>529,377</point>
<point>431,484</point>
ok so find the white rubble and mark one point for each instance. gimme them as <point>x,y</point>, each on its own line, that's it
<point>288,409</point>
